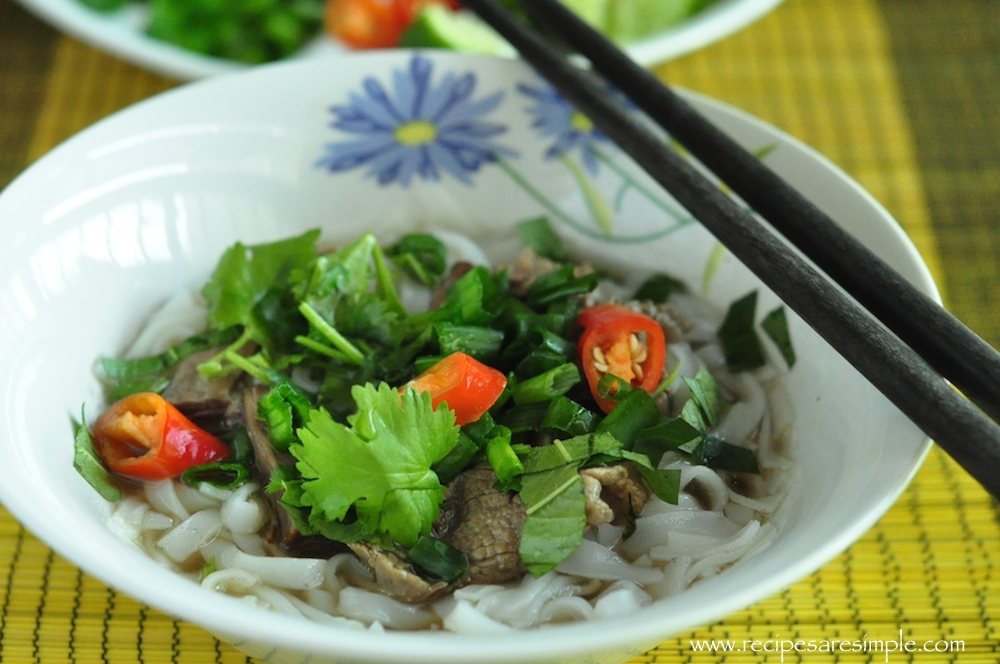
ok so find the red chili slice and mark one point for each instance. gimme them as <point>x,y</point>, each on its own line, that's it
<point>144,437</point>
<point>465,384</point>
<point>622,342</point>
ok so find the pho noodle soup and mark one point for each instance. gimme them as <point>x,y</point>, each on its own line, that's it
<point>400,436</point>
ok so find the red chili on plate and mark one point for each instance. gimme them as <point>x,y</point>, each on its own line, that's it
<point>622,342</point>
<point>373,23</point>
<point>144,437</point>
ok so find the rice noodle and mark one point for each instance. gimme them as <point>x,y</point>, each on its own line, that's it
<point>593,561</point>
<point>242,513</point>
<point>195,532</point>
<point>374,607</point>
<point>281,572</point>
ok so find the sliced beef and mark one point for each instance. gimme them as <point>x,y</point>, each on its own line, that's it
<point>614,493</point>
<point>485,524</point>
<point>395,577</point>
<point>213,404</point>
<point>528,267</point>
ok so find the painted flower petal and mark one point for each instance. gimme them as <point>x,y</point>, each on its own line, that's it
<point>416,128</point>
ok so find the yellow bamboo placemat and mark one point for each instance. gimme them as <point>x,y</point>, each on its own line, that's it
<point>821,70</point>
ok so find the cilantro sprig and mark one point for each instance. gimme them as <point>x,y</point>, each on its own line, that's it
<point>372,479</point>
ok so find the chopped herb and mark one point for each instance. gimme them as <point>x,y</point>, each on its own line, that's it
<point>717,453</point>
<point>371,461</point>
<point>556,516</point>
<point>658,288</point>
<point>775,324</point>
<point>87,462</point>
<point>223,475</point>
<point>438,560</point>
<point>634,413</point>
<point>421,255</point>
<point>283,408</point>
<point>538,235</point>
<point>245,274</point>
<point>545,387</point>
<point>738,334</point>
<point>378,469</point>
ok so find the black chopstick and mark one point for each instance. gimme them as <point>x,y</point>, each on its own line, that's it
<point>894,368</point>
<point>954,350</point>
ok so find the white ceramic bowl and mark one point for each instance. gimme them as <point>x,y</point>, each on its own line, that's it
<point>122,33</point>
<point>120,217</point>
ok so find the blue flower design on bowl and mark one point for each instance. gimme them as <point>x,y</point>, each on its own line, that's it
<point>418,129</point>
<point>570,130</point>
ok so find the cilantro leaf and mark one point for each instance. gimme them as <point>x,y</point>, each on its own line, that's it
<point>376,471</point>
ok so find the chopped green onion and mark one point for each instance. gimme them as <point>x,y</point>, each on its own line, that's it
<point>546,386</point>
<point>224,475</point>
<point>457,460</point>
<point>143,367</point>
<point>502,457</point>
<point>482,343</point>
<point>438,560</point>
<point>283,408</point>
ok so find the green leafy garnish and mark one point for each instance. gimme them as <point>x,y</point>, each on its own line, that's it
<point>542,239</point>
<point>658,288</point>
<point>438,560</point>
<point>775,324</point>
<point>742,345</point>
<point>222,475</point>
<point>740,342</point>
<point>88,463</point>
<point>372,480</point>
<point>245,274</point>
<point>421,255</point>
<point>556,509</point>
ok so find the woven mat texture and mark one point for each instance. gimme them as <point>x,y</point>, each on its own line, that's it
<point>849,77</point>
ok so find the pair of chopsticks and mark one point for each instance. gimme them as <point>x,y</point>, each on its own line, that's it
<point>904,343</point>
